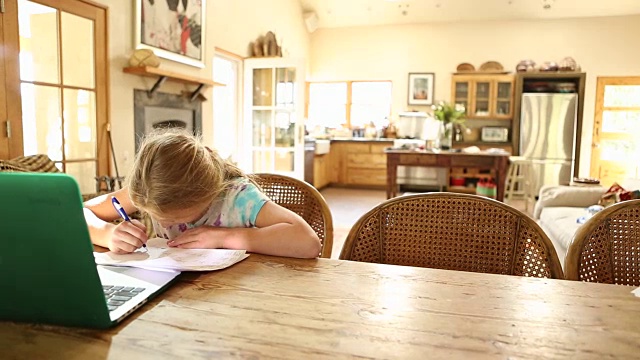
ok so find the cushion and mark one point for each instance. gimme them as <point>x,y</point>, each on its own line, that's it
<point>33,163</point>
<point>571,196</point>
<point>561,223</point>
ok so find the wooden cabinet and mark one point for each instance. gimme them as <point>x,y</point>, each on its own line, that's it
<point>359,163</point>
<point>321,170</point>
<point>484,96</point>
<point>489,101</point>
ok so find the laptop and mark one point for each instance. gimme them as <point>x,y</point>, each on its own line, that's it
<point>47,269</point>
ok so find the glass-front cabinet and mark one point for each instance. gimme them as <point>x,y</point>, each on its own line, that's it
<point>273,127</point>
<point>484,96</point>
<point>461,93</point>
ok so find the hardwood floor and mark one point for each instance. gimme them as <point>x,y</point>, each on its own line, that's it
<point>348,205</point>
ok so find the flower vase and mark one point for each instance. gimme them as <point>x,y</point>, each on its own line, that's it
<point>446,138</point>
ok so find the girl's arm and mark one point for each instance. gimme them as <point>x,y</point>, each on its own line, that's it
<point>99,214</point>
<point>278,231</point>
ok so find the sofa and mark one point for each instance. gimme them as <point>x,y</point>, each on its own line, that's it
<point>559,207</point>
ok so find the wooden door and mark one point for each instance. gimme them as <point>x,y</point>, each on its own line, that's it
<point>56,85</point>
<point>615,150</point>
<point>10,110</point>
<point>4,124</point>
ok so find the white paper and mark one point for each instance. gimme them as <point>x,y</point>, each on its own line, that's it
<point>636,292</point>
<point>159,255</point>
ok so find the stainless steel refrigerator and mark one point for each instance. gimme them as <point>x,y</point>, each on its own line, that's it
<point>548,136</point>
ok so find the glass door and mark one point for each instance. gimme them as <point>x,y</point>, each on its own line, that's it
<point>482,92</point>
<point>503,99</point>
<point>274,95</point>
<point>615,152</point>
<point>59,93</point>
<point>461,93</point>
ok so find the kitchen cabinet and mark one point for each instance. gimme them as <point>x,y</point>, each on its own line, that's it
<point>273,126</point>
<point>489,101</point>
<point>359,163</point>
<point>321,170</point>
<point>484,96</point>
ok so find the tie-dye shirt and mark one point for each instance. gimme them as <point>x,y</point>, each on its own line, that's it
<point>237,207</point>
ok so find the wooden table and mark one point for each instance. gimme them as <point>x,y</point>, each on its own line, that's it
<point>269,307</point>
<point>483,161</point>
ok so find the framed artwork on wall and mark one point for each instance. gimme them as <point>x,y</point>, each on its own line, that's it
<point>173,29</point>
<point>421,86</point>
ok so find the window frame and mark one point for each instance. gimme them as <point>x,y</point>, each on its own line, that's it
<point>99,14</point>
<point>349,99</point>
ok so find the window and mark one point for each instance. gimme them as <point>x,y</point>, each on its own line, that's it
<point>56,87</point>
<point>352,104</point>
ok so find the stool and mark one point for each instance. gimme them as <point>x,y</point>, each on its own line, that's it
<point>519,181</point>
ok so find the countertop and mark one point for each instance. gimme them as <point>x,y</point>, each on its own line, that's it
<point>358,139</point>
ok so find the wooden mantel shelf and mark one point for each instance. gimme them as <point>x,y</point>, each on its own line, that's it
<point>164,75</point>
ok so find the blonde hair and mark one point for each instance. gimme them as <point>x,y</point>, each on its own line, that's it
<point>174,170</point>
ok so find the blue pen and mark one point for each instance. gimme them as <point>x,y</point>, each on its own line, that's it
<point>120,210</point>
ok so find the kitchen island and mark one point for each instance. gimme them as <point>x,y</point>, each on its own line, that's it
<point>498,162</point>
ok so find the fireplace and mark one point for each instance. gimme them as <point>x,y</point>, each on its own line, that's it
<point>163,110</point>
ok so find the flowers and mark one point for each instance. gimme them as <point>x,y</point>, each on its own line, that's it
<point>449,114</point>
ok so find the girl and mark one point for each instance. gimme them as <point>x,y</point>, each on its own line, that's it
<point>195,199</point>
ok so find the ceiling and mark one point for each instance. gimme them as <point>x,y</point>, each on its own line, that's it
<point>344,13</point>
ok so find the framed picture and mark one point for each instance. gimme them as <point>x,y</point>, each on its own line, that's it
<point>173,29</point>
<point>421,87</point>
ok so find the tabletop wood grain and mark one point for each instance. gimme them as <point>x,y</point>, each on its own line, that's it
<point>270,307</point>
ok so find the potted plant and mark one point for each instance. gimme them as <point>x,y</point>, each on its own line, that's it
<point>451,116</point>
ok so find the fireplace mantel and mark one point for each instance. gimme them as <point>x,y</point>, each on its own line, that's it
<point>164,75</point>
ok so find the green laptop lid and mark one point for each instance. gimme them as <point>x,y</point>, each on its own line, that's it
<point>48,272</point>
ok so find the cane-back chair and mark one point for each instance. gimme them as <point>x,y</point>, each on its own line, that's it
<point>455,232</point>
<point>303,199</point>
<point>606,248</point>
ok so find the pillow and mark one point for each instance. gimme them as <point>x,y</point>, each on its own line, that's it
<point>566,196</point>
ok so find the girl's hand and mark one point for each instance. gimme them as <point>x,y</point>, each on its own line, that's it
<point>202,237</point>
<point>128,236</point>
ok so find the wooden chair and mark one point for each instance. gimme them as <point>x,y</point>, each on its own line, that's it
<point>304,200</point>
<point>454,232</point>
<point>606,248</point>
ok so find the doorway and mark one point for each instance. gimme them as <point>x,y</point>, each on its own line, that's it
<point>227,124</point>
<point>615,150</point>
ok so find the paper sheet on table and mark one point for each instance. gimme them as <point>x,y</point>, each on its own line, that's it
<point>159,255</point>
<point>636,292</point>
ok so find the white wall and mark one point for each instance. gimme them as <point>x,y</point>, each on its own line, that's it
<point>231,25</point>
<point>602,46</point>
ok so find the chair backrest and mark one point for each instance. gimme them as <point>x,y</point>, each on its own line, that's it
<point>304,200</point>
<point>454,232</point>
<point>606,248</point>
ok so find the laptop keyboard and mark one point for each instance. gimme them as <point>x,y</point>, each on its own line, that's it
<point>118,295</point>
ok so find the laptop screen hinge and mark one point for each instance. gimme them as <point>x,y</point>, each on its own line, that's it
<point>8,125</point>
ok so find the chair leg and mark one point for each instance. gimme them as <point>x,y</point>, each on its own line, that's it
<point>511,180</point>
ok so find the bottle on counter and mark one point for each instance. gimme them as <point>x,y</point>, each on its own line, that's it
<point>457,136</point>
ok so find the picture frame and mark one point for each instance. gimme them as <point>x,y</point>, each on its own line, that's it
<point>172,29</point>
<point>421,88</point>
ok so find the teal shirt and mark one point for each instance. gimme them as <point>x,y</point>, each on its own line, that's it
<point>238,207</point>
